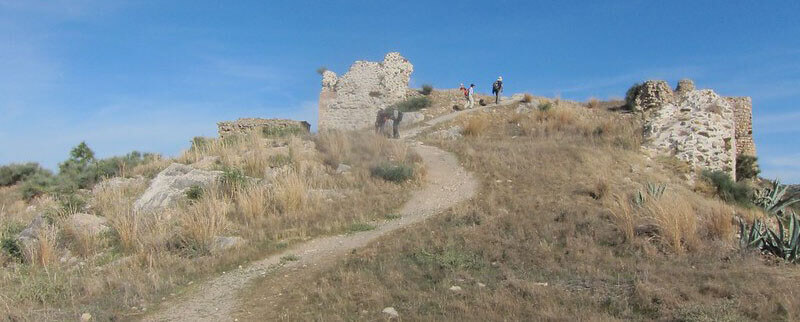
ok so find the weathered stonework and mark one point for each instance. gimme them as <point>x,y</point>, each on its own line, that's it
<point>743,114</point>
<point>266,126</point>
<point>684,86</point>
<point>651,94</point>
<point>698,128</point>
<point>350,102</point>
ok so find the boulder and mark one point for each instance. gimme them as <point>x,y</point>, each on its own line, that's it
<point>117,183</point>
<point>411,118</point>
<point>391,312</point>
<point>684,86</point>
<point>31,232</point>
<point>452,133</point>
<point>89,224</point>
<point>342,168</point>
<point>171,184</point>
<point>222,243</point>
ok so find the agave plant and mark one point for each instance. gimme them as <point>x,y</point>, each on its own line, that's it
<point>785,243</point>
<point>771,198</point>
<point>656,190</point>
<point>639,199</point>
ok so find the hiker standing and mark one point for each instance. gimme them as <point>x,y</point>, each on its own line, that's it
<point>497,88</point>
<point>470,96</point>
<point>389,113</point>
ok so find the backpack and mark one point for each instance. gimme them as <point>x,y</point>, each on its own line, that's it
<point>496,86</point>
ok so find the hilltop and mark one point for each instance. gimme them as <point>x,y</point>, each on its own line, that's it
<point>534,208</point>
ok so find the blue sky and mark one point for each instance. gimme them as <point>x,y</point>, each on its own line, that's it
<point>149,75</point>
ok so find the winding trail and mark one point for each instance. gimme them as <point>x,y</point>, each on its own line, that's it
<point>446,184</point>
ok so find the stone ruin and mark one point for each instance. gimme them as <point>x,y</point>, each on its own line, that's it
<point>351,101</point>
<point>697,126</point>
<point>265,126</point>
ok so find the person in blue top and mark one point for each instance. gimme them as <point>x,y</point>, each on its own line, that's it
<point>497,88</point>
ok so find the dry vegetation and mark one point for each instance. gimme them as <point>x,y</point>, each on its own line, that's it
<point>294,193</point>
<point>556,233</point>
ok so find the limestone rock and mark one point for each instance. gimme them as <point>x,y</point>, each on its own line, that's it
<point>455,288</point>
<point>89,224</point>
<point>31,232</point>
<point>698,129</point>
<point>391,312</point>
<point>116,183</point>
<point>411,118</point>
<point>351,101</point>
<point>452,133</point>
<point>85,317</point>
<point>171,184</point>
<point>342,168</point>
<point>222,243</point>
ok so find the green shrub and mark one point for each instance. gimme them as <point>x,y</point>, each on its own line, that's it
<point>427,89</point>
<point>37,185</point>
<point>393,172</point>
<point>194,193</point>
<point>413,104</point>
<point>281,131</point>
<point>631,94</point>
<point>16,172</point>
<point>232,179</point>
<point>8,241</point>
<point>545,106</point>
<point>746,167</point>
<point>727,189</point>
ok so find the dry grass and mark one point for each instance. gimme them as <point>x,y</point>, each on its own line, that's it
<point>527,98</point>
<point>677,221</point>
<point>476,125</point>
<point>202,221</point>
<point>533,245</point>
<point>147,255</point>
<point>42,251</point>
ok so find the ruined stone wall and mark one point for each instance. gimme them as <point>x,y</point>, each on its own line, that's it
<point>743,114</point>
<point>351,101</point>
<point>651,94</point>
<point>698,127</point>
<point>265,126</point>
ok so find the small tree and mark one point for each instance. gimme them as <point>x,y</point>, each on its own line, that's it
<point>630,95</point>
<point>427,89</point>
<point>746,167</point>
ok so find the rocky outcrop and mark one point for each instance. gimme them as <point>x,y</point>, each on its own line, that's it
<point>171,184</point>
<point>269,127</point>
<point>699,128</point>
<point>351,101</point>
<point>31,232</point>
<point>88,224</point>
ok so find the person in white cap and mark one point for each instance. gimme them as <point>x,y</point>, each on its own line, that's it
<point>497,88</point>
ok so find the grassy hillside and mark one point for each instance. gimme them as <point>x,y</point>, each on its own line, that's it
<point>555,233</point>
<point>274,192</point>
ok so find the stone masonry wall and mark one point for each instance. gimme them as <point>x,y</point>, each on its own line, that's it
<point>351,101</point>
<point>267,126</point>
<point>743,114</point>
<point>699,129</point>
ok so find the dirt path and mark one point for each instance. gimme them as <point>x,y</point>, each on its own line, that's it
<point>447,183</point>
